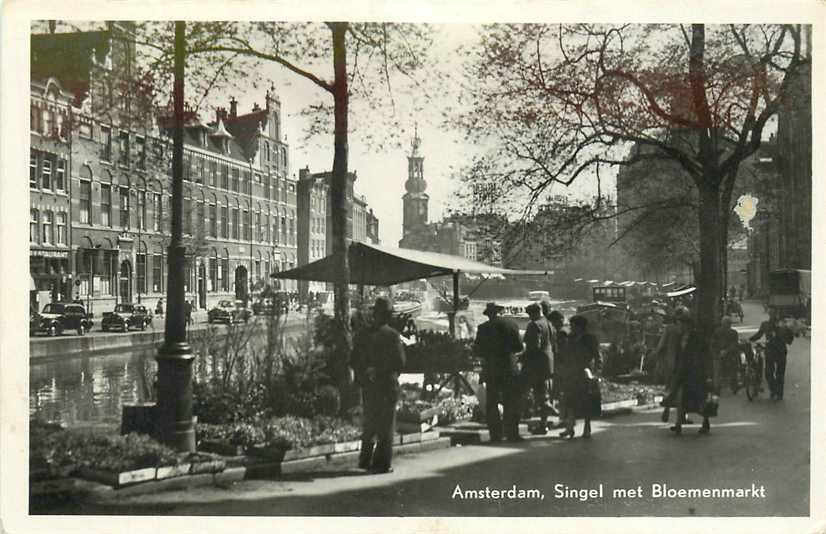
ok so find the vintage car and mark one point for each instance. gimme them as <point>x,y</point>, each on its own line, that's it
<point>228,311</point>
<point>58,317</point>
<point>126,316</point>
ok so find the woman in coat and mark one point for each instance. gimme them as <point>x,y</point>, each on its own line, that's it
<point>579,361</point>
<point>688,382</point>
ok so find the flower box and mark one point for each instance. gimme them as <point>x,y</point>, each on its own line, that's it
<point>224,448</point>
<point>117,480</point>
<point>309,452</point>
<point>267,452</point>
<point>210,466</point>
<point>430,436</point>
<point>173,471</point>
<point>347,446</point>
<point>430,415</point>
<point>416,437</point>
<point>405,427</point>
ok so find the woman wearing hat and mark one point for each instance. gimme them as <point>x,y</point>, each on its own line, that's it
<point>580,361</point>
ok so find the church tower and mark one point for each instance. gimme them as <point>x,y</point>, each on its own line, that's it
<point>415,199</point>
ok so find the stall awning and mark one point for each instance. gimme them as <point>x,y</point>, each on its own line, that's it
<point>682,291</point>
<point>378,265</point>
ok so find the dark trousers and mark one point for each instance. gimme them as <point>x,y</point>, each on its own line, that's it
<point>502,389</point>
<point>541,402</point>
<point>776,373</point>
<point>379,424</point>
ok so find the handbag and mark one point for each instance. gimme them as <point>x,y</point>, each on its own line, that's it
<point>710,406</point>
<point>594,395</point>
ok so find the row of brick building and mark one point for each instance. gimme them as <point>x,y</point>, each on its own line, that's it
<point>100,186</point>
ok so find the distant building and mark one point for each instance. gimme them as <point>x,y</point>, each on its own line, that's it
<point>100,190</point>
<point>315,226</point>
<point>471,236</point>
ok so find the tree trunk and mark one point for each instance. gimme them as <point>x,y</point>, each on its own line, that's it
<point>709,278</point>
<point>338,196</point>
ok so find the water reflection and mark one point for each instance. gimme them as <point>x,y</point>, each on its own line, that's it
<point>90,390</point>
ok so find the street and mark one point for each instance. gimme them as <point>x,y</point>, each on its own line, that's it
<point>761,443</point>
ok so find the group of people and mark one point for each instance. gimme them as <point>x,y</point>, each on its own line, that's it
<point>547,361</point>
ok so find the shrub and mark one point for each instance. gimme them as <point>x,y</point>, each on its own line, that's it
<point>244,434</point>
<point>328,401</point>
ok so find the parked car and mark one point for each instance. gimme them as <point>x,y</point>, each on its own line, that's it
<point>126,316</point>
<point>228,311</point>
<point>58,317</point>
<point>264,306</point>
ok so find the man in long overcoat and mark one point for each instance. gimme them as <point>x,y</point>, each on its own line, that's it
<point>538,363</point>
<point>497,344</point>
<point>378,358</point>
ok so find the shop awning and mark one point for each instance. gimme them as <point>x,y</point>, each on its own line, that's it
<point>378,265</point>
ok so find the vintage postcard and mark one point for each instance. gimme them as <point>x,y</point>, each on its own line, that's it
<point>351,267</point>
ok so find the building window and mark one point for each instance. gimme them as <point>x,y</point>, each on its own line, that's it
<point>60,175</point>
<point>140,147</point>
<point>187,216</point>
<point>108,278</point>
<point>157,211</point>
<point>157,273</point>
<point>224,217</point>
<point>284,229</point>
<point>225,176</point>
<point>225,273</point>
<point>213,220</point>
<point>140,270</point>
<point>32,169</point>
<point>123,148</point>
<point>187,167</point>
<point>142,210</point>
<point>124,207</point>
<point>106,204</point>
<point>61,229</point>
<point>46,174</point>
<point>235,224</point>
<point>199,175</point>
<point>247,182</point>
<point>213,173</point>
<point>34,116</point>
<point>85,202</point>
<point>258,225</point>
<point>247,234</point>
<point>48,125</point>
<point>33,226</point>
<point>235,175</point>
<point>213,274</point>
<point>201,216</point>
<point>106,142</point>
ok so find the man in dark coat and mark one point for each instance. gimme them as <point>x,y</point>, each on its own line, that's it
<point>378,358</point>
<point>497,344</point>
<point>690,381</point>
<point>777,337</point>
<point>538,363</point>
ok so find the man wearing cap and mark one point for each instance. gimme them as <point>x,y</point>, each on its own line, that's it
<point>497,344</point>
<point>538,363</point>
<point>380,357</point>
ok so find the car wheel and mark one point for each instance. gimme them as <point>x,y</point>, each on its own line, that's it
<point>52,331</point>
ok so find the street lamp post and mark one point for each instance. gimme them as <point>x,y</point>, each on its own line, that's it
<point>174,423</point>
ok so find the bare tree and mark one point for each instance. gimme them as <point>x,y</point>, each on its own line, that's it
<point>563,100</point>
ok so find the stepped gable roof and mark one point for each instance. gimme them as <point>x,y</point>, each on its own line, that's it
<point>68,57</point>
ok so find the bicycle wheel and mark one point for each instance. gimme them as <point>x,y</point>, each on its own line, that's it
<point>752,385</point>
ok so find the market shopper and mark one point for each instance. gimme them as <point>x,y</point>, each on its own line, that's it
<point>691,377</point>
<point>666,351</point>
<point>378,358</point>
<point>579,362</point>
<point>538,364</point>
<point>725,343</point>
<point>497,344</point>
<point>777,338</point>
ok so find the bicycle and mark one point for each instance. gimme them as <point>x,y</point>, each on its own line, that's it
<point>754,371</point>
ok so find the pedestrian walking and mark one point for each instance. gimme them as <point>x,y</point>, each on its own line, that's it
<point>725,344</point>
<point>188,312</point>
<point>691,380</point>
<point>497,344</point>
<point>666,351</point>
<point>559,340</point>
<point>777,338</point>
<point>377,360</point>
<point>538,364</point>
<point>159,308</point>
<point>579,362</point>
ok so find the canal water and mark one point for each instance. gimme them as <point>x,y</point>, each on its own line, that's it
<point>91,390</point>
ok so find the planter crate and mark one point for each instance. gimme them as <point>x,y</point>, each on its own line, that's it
<point>173,471</point>
<point>347,446</point>
<point>317,450</point>
<point>210,466</point>
<point>221,447</point>
<point>117,480</point>
<point>411,438</point>
<point>267,452</point>
<point>430,436</point>
<point>406,427</point>
<point>429,415</point>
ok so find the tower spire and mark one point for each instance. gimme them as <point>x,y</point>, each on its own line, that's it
<point>416,142</point>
